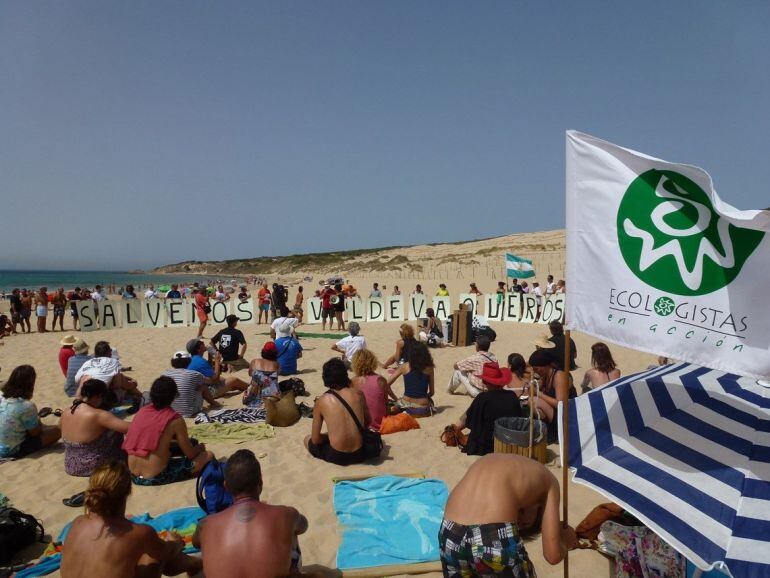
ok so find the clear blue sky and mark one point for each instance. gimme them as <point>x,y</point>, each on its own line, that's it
<point>134,134</point>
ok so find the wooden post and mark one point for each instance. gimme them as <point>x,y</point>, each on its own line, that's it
<point>565,444</point>
<point>531,416</point>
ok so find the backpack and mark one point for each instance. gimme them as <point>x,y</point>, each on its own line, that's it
<point>17,531</point>
<point>210,488</point>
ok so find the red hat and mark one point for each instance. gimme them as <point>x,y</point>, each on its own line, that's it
<point>269,346</point>
<point>493,374</point>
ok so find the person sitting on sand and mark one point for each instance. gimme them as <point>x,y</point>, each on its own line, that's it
<point>193,386</point>
<point>264,376</point>
<point>519,383</point>
<point>21,432</point>
<point>278,322</point>
<point>66,352</point>
<point>374,387</point>
<point>432,331</point>
<point>91,435</point>
<point>104,367</point>
<point>465,378</point>
<point>103,542</point>
<point>343,444</point>
<point>149,438</point>
<point>603,368</point>
<point>348,346</point>
<point>228,341</point>
<point>418,382</point>
<point>502,500</point>
<point>403,346</point>
<point>250,538</point>
<point>288,347</point>
<point>221,385</point>
<point>74,363</point>
<point>493,403</point>
<point>553,383</point>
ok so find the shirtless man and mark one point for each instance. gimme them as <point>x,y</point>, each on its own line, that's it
<point>104,543</point>
<point>501,499</point>
<point>59,303</point>
<point>250,539</point>
<point>26,308</point>
<point>342,445</point>
<point>149,437</point>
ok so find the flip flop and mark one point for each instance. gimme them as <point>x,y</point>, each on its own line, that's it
<point>75,501</point>
<point>44,412</point>
<point>57,412</point>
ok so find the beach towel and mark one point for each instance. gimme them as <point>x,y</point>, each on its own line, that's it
<point>231,432</point>
<point>183,521</point>
<point>240,415</point>
<point>388,520</point>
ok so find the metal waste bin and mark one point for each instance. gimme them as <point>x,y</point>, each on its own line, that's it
<point>512,437</point>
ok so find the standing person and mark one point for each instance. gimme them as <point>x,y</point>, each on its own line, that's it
<point>502,499</point>
<point>129,293</point>
<point>21,432</point>
<point>97,295</point>
<point>374,386</point>
<point>263,296</point>
<point>339,308</point>
<point>561,287</point>
<point>103,542</point>
<point>474,290</point>
<point>26,309</point>
<point>603,368</point>
<point>202,308</point>
<point>73,299</point>
<point>500,293</point>
<point>16,308</point>
<point>174,292</point>
<point>228,341</point>
<point>515,287</point>
<point>396,290</point>
<point>327,309</point>
<point>418,289</point>
<point>348,346</point>
<point>59,303</point>
<point>298,301</point>
<point>465,378</point>
<point>41,309</point>
<point>151,293</point>
<point>243,296</point>
<point>538,293</point>
<point>250,538</point>
<point>66,352</point>
<point>442,291</point>
<point>376,293</point>
<point>550,286</point>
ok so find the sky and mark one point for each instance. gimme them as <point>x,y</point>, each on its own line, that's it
<point>134,134</point>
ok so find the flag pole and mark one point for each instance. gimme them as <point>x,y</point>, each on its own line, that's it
<point>565,443</point>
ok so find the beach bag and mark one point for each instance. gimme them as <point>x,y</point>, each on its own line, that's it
<point>399,422</point>
<point>371,440</point>
<point>454,438</point>
<point>17,531</point>
<point>281,412</point>
<point>210,488</point>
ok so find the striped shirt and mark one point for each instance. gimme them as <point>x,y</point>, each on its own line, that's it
<point>475,364</point>
<point>189,383</point>
<point>74,364</point>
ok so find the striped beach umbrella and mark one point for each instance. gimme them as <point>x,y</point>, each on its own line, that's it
<point>686,449</point>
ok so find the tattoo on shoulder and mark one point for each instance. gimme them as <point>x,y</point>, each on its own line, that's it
<point>245,512</point>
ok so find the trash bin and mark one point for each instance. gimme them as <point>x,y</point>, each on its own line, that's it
<point>512,437</point>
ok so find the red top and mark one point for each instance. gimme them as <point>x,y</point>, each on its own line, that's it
<point>325,298</point>
<point>64,356</point>
<point>376,400</point>
<point>200,301</point>
<point>146,428</point>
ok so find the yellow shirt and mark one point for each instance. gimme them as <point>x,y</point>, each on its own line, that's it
<point>442,293</point>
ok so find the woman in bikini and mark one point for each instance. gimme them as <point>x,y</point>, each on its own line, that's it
<point>603,368</point>
<point>403,346</point>
<point>418,382</point>
<point>554,386</point>
<point>264,376</point>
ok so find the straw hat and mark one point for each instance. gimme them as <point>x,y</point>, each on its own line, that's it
<point>68,340</point>
<point>543,342</point>
<point>493,374</point>
<point>80,347</point>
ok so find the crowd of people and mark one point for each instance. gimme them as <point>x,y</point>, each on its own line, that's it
<point>154,448</point>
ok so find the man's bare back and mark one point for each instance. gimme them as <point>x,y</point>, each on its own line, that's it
<point>343,432</point>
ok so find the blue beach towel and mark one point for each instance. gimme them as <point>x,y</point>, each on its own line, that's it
<point>388,520</point>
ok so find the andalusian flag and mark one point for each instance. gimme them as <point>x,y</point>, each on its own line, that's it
<point>518,267</point>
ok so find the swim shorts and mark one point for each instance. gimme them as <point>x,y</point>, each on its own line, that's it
<point>177,470</point>
<point>327,453</point>
<point>265,307</point>
<point>327,313</point>
<point>483,550</point>
<point>41,311</point>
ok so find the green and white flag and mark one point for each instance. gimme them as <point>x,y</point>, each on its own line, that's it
<point>656,261</point>
<point>518,267</point>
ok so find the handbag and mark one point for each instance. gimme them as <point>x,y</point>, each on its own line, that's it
<point>452,437</point>
<point>371,440</point>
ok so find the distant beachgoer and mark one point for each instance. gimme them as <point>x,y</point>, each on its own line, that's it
<point>442,291</point>
<point>16,307</point>
<point>515,287</point>
<point>403,346</point>
<point>525,287</point>
<point>202,308</point>
<point>396,290</point>
<point>41,309</point>
<point>500,293</point>
<point>418,289</point>
<point>603,368</point>
<point>26,309</point>
<point>174,292</point>
<point>343,443</point>
<point>348,346</point>
<point>250,538</point>
<point>327,308</point>
<point>128,293</point>
<point>73,299</point>
<point>74,363</point>
<point>243,296</point>
<point>561,287</point>
<point>374,386</point>
<point>59,303</point>
<point>196,348</point>
<point>502,500</point>
<point>376,293</point>
<point>263,296</point>
<point>66,352</point>
<point>231,344</point>
<point>103,542</point>
<point>339,308</point>
<point>550,286</point>
<point>298,301</point>
<point>192,386</point>
<point>151,293</point>
<point>419,387</point>
<point>432,331</point>
<point>90,435</point>
<point>221,295</point>
<point>279,298</point>
<point>264,376</point>
<point>465,379</point>
<point>149,437</point>
<point>474,290</point>
<point>21,431</point>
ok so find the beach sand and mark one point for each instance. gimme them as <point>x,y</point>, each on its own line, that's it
<point>291,476</point>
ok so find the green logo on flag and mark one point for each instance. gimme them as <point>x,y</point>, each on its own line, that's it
<point>672,238</point>
<point>664,306</point>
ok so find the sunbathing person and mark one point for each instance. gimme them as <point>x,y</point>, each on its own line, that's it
<point>343,444</point>
<point>149,438</point>
<point>104,367</point>
<point>91,436</point>
<point>102,542</point>
<point>492,403</point>
<point>403,346</point>
<point>374,387</point>
<point>250,539</point>
<point>418,382</point>
<point>501,500</point>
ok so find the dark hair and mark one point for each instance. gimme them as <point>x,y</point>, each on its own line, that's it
<point>21,383</point>
<point>542,358</point>
<point>243,473</point>
<point>429,312</point>
<point>102,349</point>
<point>517,364</point>
<point>231,320</point>
<point>338,287</point>
<point>163,392</point>
<point>601,358</point>
<point>93,388</point>
<point>180,362</point>
<point>483,342</point>
<point>419,357</point>
<point>335,374</point>
<point>556,328</point>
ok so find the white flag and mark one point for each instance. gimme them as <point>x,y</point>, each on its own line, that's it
<point>656,261</point>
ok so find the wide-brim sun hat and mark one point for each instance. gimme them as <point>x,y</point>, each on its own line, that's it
<point>68,340</point>
<point>493,374</point>
<point>543,342</point>
<point>80,346</point>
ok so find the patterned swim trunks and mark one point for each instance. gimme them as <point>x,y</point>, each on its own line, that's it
<point>483,551</point>
<point>177,470</point>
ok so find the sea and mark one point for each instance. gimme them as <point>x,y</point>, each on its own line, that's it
<point>70,279</point>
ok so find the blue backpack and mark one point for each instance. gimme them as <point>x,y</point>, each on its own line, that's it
<point>210,488</point>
